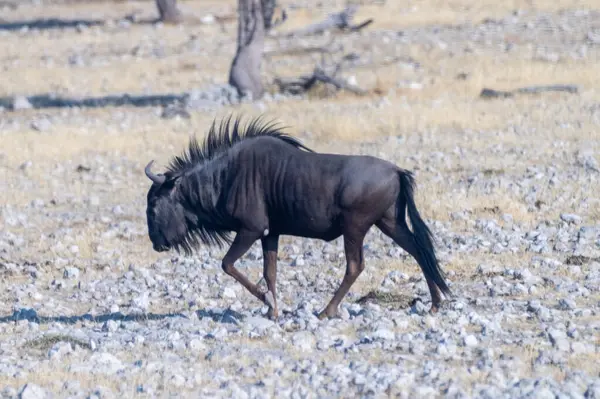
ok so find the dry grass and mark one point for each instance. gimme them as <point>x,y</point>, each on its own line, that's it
<point>394,15</point>
<point>444,114</point>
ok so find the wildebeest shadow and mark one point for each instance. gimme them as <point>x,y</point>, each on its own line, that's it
<point>226,316</point>
<point>51,101</point>
<point>32,316</point>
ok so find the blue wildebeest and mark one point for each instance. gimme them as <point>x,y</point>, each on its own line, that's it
<point>261,183</point>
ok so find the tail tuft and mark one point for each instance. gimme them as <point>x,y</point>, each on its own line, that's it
<point>421,233</point>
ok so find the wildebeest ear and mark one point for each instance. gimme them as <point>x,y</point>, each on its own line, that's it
<point>172,184</point>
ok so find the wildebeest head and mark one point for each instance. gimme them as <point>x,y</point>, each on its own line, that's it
<point>167,218</point>
<point>183,208</point>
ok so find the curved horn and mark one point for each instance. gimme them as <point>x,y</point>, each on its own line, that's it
<point>158,179</point>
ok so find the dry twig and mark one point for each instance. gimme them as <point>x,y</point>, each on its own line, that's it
<point>491,93</point>
<point>305,83</point>
<point>339,20</point>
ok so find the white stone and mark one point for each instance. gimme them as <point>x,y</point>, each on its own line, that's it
<point>299,261</point>
<point>71,273</point>
<point>570,218</point>
<point>384,334</point>
<point>228,292</point>
<point>196,344</point>
<point>304,341</point>
<point>33,391</point>
<point>470,340</point>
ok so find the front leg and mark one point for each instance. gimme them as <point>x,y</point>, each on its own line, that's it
<point>269,246</point>
<point>241,244</point>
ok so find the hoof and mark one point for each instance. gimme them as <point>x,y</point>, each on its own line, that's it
<point>322,315</point>
<point>326,315</point>
<point>261,286</point>
<point>272,314</point>
<point>269,299</point>
<point>434,308</point>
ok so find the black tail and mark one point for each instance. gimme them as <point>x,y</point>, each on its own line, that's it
<point>421,233</point>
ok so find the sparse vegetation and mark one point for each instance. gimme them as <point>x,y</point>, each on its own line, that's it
<point>508,186</point>
<point>46,342</point>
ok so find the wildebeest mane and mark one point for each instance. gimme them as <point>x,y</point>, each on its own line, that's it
<point>218,140</point>
<point>202,233</point>
<point>221,139</point>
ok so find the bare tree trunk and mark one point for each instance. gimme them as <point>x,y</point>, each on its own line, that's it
<point>244,74</point>
<point>268,9</point>
<point>168,11</point>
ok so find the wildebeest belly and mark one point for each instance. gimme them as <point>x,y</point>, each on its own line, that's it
<point>304,198</point>
<point>306,226</point>
<point>313,215</point>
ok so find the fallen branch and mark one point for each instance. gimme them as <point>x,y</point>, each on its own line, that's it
<point>491,93</point>
<point>48,23</point>
<point>340,20</point>
<point>305,83</point>
<point>50,101</point>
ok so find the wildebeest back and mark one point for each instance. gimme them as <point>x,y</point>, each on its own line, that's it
<point>302,192</point>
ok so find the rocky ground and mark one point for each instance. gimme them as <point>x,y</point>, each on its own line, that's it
<point>508,186</point>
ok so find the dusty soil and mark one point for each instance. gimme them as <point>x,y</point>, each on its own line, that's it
<point>509,187</point>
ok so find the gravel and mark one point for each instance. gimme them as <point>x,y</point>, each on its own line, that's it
<point>89,311</point>
<point>496,329</point>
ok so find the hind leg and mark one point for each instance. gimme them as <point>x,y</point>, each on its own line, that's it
<point>402,236</point>
<point>353,247</point>
<point>269,247</point>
